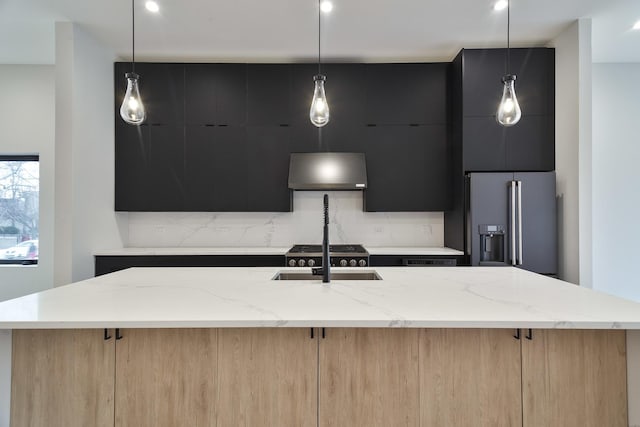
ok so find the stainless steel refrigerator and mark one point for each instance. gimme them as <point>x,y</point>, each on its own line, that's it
<point>511,220</point>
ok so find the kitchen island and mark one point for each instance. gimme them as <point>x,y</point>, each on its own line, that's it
<point>231,346</point>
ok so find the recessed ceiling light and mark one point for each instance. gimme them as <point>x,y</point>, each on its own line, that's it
<point>636,26</point>
<point>326,6</point>
<point>500,5</point>
<point>152,6</point>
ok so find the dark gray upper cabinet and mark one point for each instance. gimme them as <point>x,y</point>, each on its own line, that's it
<point>216,168</point>
<point>268,168</point>
<point>161,91</point>
<point>487,146</point>
<point>405,94</point>
<point>483,70</point>
<point>216,94</point>
<point>407,168</point>
<point>219,136</point>
<point>269,94</point>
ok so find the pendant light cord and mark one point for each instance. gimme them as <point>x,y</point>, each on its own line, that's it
<point>508,37</point>
<point>133,36</point>
<point>319,13</point>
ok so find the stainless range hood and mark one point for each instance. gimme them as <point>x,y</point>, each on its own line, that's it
<point>327,171</point>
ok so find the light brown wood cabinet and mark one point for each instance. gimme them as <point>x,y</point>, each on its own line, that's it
<point>574,378</point>
<point>284,377</point>
<point>62,378</point>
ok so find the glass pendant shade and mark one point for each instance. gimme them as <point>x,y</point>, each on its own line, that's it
<point>132,110</point>
<point>509,112</point>
<point>319,113</point>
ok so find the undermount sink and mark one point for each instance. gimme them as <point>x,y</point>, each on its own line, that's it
<point>338,275</point>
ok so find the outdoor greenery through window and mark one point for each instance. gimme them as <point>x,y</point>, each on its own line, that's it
<point>19,202</point>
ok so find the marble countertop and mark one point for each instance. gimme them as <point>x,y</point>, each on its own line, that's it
<point>443,297</point>
<point>268,251</point>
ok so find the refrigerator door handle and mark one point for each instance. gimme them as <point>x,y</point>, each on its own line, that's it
<point>512,184</point>
<point>520,257</point>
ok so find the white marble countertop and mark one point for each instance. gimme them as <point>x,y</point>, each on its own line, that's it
<point>268,251</point>
<point>444,297</point>
<point>413,251</point>
<point>194,251</point>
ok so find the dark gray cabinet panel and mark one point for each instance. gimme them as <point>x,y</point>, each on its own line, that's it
<point>406,94</point>
<point>216,94</point>
<point>405,168</point>
<point>484,144</point>
<point>487,146</point>
<point>161,90</point>
<point>268,168</point>
<point>131,167</point>
<point>268,91</point>
<point>165,173</point>
<point>483,71</point>
<point>530,145</point>
<point>216,168</point>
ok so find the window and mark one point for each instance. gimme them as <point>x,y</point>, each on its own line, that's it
<point>19,202</point>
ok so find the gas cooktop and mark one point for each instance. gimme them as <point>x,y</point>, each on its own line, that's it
<point>339,255</point>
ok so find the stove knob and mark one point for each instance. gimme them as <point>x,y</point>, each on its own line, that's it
<point>343,263</point>
<point>311,263</point>
<point>362,263</point>
<point>353,263</point>
<point>301,263</point>
<point>292,263</point>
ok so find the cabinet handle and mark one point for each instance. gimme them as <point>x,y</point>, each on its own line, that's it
<point>311,333</point>
<point>529,334</point>
<point>323,333</point>
<point>106,335</point>
<point>517,335</point>
<point>118,336</point>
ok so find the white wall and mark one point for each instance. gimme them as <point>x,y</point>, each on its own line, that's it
<point>348,224</point>
<point>85,217</point>
<point>27,105</point>
<point>573,110</point>
<point>616,182</point>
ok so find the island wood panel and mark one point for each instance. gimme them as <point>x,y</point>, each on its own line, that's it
<point>166,377</point>
<point>574,378</point>
<point>267,377</point>
<point>62,378</point>
<point>369,377</point>
<point>469,377</point>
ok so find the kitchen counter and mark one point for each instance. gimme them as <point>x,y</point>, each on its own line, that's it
<point>193,251</point>
<point>445,297</point>
<point>412,250</point>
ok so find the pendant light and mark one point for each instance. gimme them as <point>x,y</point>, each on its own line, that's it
<point>132,110</point>
<point>319,112</point>
<point>509,112</point>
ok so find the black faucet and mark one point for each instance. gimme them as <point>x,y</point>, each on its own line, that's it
<point>326,262</point>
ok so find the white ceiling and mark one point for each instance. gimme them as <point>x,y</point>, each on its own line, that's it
<point>286,30</point>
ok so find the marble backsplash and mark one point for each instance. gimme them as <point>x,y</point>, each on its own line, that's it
<point>348,224</point>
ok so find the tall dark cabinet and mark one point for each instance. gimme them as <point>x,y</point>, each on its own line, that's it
<point>479,143</point>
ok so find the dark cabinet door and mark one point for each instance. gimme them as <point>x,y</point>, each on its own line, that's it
<point>484,144</point>
<point>165,174</point>
<point>268,94</point>
<point>530,145</point>
<point>482,83</point>
<point>131,167</point>
<point>406,94</point>
<point>162,92</point>
<point>216,169</point>
<point>268,168</point>
<point>216,94</point>
<point>527,146</point>
<point>407,168</point>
